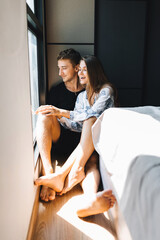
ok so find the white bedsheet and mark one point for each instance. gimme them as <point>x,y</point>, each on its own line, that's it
<point>128,141</point>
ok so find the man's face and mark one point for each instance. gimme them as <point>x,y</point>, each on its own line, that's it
<point>66,70</point>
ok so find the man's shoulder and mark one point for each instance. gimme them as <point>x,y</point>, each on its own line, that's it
<point>58,86</point>
<point>55,92</point>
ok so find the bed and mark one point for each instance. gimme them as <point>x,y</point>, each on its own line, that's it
<point>128,142</point>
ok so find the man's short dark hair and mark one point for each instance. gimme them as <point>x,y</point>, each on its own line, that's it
<point>70,54</point>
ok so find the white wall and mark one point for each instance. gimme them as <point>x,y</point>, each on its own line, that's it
<point>16,152</point>
<point>17,191</point>
<point>69,23</point>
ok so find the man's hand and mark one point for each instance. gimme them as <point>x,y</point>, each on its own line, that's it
<point>51,110</point>
<point>48,110</point>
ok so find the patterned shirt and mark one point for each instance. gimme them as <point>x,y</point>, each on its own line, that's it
<point>83,110</point>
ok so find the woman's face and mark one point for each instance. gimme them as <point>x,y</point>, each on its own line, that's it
<point>83,73</point>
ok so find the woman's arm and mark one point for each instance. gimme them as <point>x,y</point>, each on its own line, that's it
<point>81,112</point>
<point>103,101</point>
<point>52,110</point>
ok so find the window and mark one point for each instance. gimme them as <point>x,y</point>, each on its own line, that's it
<point>31,4</point>
<point>36,47</point>
<point>34,85</point>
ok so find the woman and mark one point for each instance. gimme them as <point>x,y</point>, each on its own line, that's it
<point>98,96</point>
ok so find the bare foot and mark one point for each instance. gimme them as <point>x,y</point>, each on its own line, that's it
<point>47,194</point>
<point>74,177</point>
<point>54,181</point>
<point>99,203</point>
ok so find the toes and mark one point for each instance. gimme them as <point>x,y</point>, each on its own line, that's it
<point>51,198</point>
<point>62,192</point>
<point>38,182</point>
<point>35,182</point>
<point>44,197</point>
<point>44,194</point>
<point>107,193</point>
<point>46,200</point>
<point>47,194</point>
<point>42,180</point>
<point>51,195</point>
<point>112,200</point>
<point>111,204</point>
<point>58,193</point>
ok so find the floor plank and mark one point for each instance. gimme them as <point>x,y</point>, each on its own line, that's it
<point>58,220</point>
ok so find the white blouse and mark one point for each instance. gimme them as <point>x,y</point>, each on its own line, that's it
<point>83,110</point>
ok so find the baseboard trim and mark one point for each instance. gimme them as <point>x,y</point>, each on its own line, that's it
<point>31,229</point>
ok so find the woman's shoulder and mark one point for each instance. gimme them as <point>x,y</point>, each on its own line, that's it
<point>81,94</point>
<point>106,89</point>
<point>106,85</point>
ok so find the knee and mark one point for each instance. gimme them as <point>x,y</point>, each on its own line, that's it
<point>93,161</point>
<point>91,120</point>
<point>43,121</point>
<point>94,157</point>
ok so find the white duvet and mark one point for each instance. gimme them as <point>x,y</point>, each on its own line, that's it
<point>128,141</point>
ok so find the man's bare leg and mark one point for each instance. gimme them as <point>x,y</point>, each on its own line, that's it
<point>46,194</point>
<point>56,180</point>
<point>47,130</point>
<point>98,203</point>
<point>79,156</point>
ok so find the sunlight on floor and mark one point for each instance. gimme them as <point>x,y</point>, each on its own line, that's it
<point>85,225</point>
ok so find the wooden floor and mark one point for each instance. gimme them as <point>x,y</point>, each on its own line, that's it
<point>57,220</point>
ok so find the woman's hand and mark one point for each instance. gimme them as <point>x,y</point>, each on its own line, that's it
<point>48,110</point>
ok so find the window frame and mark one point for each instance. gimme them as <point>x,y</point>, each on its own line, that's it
<point>36,24</point>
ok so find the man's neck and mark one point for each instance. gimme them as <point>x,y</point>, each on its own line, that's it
<point>73,85</point>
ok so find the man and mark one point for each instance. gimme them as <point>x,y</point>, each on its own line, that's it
<point>48,129</point>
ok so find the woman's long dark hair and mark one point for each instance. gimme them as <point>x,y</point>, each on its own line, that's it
<point>97,78</point>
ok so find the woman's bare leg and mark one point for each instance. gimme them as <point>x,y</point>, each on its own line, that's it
<point>91,182</point>
<point>92,202</point>
<point>47,130</point>
<point>97,203</point>
<point>84,151</point>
